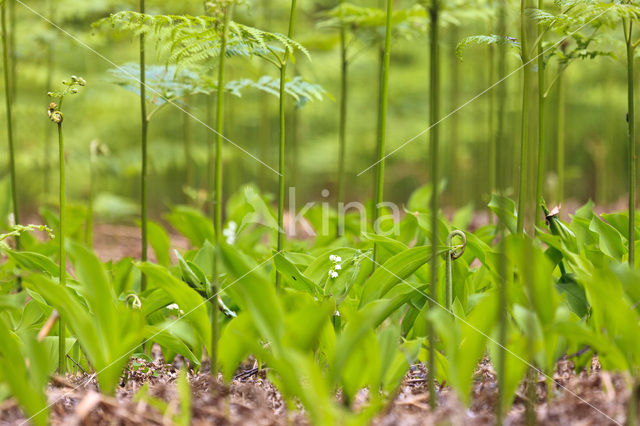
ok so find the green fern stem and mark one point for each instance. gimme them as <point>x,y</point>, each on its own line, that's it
<point>434,95</point>
<point>491,124</point>
<point>501,179</point>
<point>631,150</point>
<point>456,176</point>
<point>281,153</point>
<point>531,378</point>
<point>8,84</point>
<point>382,120</point>
<point>143,142</point>
<point>46,163</point>
<point>343,118</point>
<point>211,157</point>
<point>88,231</point>
<point>541,142</point>
<point>265,118</point>
<point>12,48</point>
<point>281,157</point>
<point>524,131</point>
<point>63,256</point>
<point>217,208</point>
<point>560,137</point>
<point>186,139</point>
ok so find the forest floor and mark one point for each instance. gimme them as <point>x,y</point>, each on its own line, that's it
<point>593,398</point>
<point>584,399</point>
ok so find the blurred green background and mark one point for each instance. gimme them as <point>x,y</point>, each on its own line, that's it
<point>595,125</point>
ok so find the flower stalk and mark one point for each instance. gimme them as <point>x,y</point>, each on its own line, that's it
<point>382,119</point>
<point>144,126</point>
<point>281,154</point>
<point>217,208</point>
<point>631,136</point>
<point>342,135</point>
<point>541,104</point>
<point>56,116</point>
<point>524,130</point>
<point>9,90</point>
<point>434,112</point>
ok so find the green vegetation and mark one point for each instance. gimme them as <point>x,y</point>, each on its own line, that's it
<point>333,304</point>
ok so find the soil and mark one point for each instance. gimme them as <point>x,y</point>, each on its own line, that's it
<point>252,399</point>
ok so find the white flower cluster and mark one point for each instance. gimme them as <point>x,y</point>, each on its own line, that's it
<point>230,232</point>
<point>333,272</point>
<point>175,307</point>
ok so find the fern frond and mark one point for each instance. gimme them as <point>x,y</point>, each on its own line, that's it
<point>163,82</point>
<point>369,21</point>
<point>298,88</point>
<point>167,83</point>
<point>195,39</point>
<point>485,40</point>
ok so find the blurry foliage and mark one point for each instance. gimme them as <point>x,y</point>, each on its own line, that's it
<point>408,106</point>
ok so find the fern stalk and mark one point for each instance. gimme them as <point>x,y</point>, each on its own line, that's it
<point>343,118</point>
<point>541,102</point>
<point>217,208</point>
<point>631,150</point>
<point>560,137</point>
<point>62,365</point>
<point>434,95</point>
<point>281,154</point>
<point>501,179</point>
<point>88,231</point>
<point>296,128</point>
<point>524,135</point>
<point>46,163</point>
<point>491,129</point>
<point>12,48</point>
<point>186,140</point>
<point>456,175</point>
<point>265,133</point>
<point>211,157</point>
<point>143,141</point>
<point>382,118</point>
<point>8,84</point>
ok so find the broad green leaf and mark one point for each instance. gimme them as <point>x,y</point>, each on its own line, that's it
<point>166,339</point>
<point>505,209</point>
<point>187,299</point>
<point>576,297</point>
<point>192,224</point>
<point>12,301</point>
<point>23,366</point>
<point>160,243</point>
<point>189,276</point>
<point>157,299</point>
<point>398,268</point>
<point>184,397</point>
<point>253,292</point>
<point>364,320</point>
<point>293,276</point>
<point>108,335</point>
<point>96,288</point>
<point>35,262</point>
<point>515,365</point>
<point>305,323</point>
<point>611,242</point>
<point>238,339</point>
<point>204,258</point>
